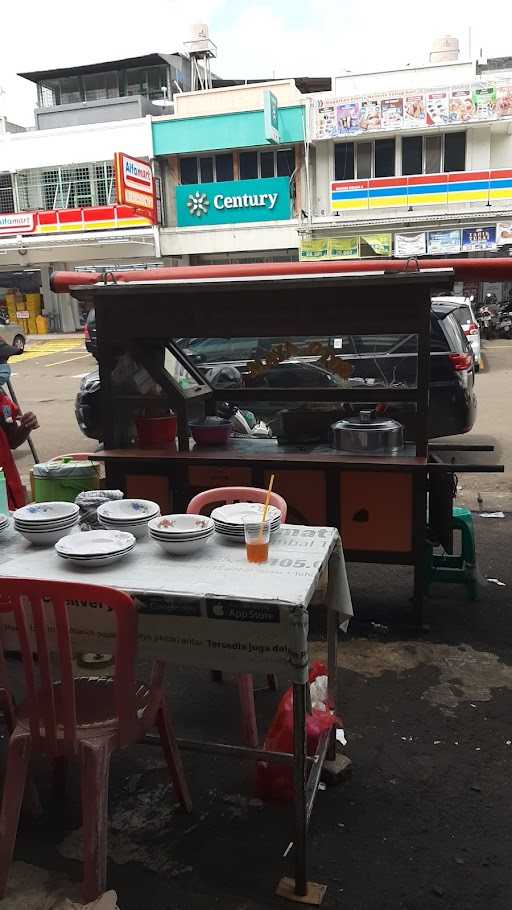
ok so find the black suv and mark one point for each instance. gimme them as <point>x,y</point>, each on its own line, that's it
<point>366,360</point>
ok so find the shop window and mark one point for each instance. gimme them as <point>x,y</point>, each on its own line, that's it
<point>384,158</point>
<point>454,152</point>
<point>224,167</point>
<point>206,169</point>
<point>100,85</point>
<point>285,162</point>
<point>248,165</point>
<point>104,180</point>
<point>6,193</point>
<point>137,82</point>
<point>364,160</point>
<point>433,153</point>
<point>412,155</point>
<point>267,164</point>
<point>70,90</point>
<point>188,170</point>
<point>157,80</point>
<point>344,161</point>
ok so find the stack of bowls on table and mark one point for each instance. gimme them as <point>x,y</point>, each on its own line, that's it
<point>44,523</point>
<point>180,534</point>
<point>131,515</point>
<point>4,524</point>
<point>92,549</point>
<point>229,520</point>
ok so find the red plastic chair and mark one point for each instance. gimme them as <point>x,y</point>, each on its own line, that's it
<point>245,681</point>
<point>83,718</point>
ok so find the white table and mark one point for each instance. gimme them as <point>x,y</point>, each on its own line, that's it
<point>214,609</point>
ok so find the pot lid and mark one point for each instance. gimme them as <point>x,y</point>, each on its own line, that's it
<point>366,421</point>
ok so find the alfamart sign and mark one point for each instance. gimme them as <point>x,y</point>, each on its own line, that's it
<point>232,202</point>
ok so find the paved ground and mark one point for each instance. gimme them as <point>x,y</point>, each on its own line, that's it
<point>424,821</point>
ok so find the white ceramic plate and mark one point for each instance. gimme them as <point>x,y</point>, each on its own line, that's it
<point>95,543</point>
<point>46,525</point>
<point>236,513</point>
<point>46,511</point>
<point>96,561</point>
<point>131,510</point>
<point>176,525</point>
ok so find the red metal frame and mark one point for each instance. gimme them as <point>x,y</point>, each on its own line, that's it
<point>464,269</point>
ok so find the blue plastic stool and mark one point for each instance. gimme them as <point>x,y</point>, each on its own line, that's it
<point>459,568</point>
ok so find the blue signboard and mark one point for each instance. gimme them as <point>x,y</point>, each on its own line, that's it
<point>479,238</point>
<point>233,202</point>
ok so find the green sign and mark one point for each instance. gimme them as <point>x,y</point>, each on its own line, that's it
<point>233,202</point>
<point>344,247</point>
<point>271,117</point>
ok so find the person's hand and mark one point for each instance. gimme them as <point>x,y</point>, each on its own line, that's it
<point>29,422</point>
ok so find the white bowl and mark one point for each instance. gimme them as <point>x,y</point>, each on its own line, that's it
<point>176,525</point>
<point>178,548</point>
<point>138,530</point>
<point>128,511</point>
<point>45,512</point>
<point>46,538</point>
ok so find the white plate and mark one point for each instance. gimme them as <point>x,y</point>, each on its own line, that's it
<point>176,525</point>
<point>46,511</point>
<point>236,513</point>
<point>46,525</point>
<point>97,561</point>
<point>95,543</point>
<point>131,510</point>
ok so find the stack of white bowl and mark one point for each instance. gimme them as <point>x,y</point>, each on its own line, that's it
<point>230,519</point>
<point>131,515</point>
<point>44,523</point>
<point>180,534</point>
<point>4,524</point>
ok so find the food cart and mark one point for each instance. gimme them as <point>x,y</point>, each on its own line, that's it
<point>383,503</point>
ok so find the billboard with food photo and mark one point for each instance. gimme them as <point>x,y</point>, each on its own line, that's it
<point>504,100</point>
<point>462,108</point>
<point>414,110</point>
<point>484,100</point>
<point>370,114</point>
<point>392,113</point>
<point>437,108</point>
<point>348,117</point>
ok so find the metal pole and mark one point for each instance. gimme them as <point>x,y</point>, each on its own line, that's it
<point>31,445</point>
<point>299,781</point>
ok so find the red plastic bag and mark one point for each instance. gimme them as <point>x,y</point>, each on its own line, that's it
<point>275,780</point>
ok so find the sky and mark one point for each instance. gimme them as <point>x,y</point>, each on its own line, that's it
<point>255,39</point>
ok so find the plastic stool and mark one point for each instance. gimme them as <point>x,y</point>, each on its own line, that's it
<point>459,568</point>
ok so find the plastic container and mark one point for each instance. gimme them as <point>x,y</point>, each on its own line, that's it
<point>62,482</point>
<point>211,434</point>
<point>156,432</point>
<point>4,507</point>
<point>42,325</point>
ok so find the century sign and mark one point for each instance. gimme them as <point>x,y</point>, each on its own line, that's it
<point>233,202</point>
<point>135,184</point>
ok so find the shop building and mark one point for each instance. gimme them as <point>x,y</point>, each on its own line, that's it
<point>233,173</point>
<point>412,162</point>
<point>57,190</point>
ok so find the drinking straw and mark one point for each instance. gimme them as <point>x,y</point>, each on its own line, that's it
<point>267,500</point>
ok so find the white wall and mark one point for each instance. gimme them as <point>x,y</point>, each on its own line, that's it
<point>235,98</point>
<point>73,145</point>
<point>408,78</point>
<point>478,149</point>
<point>229,239</point>
<point>501,149</point>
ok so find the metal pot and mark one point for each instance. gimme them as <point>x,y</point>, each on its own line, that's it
<point>365,433</point>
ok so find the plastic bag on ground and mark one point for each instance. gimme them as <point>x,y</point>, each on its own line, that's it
<point>274,781</point>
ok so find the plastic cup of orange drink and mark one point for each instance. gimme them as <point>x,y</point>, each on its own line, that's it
<point>257,536</point>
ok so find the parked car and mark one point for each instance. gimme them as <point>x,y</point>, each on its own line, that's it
<point>462,309</point>
<point>90,335</point>
<point>365,359</point>
<point>11,333</point>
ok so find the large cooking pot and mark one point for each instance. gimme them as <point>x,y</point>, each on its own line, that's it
<point>365,433</point>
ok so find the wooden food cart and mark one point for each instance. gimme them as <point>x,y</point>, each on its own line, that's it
<point>378,502</point>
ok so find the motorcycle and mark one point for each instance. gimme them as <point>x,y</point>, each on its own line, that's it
<point>486,322</point>
<point>504,326</point>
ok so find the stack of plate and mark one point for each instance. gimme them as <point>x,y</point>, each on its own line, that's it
<point>181,534</point>
<point>4,524</point>
<point>95,548</point>
<point>44,523</point>
<point>130,515</point>
<point>230,519</point>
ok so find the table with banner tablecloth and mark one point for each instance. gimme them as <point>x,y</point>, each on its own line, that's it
<point>213,608</point>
